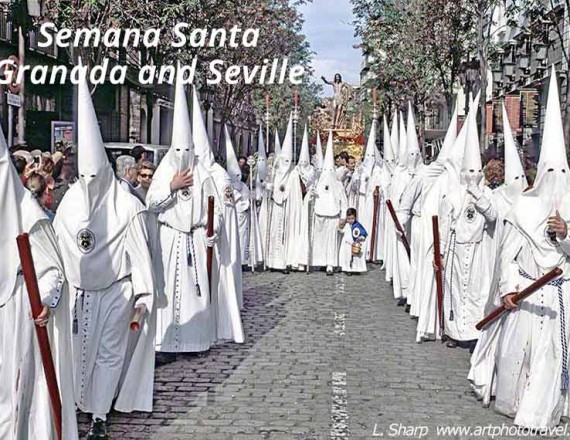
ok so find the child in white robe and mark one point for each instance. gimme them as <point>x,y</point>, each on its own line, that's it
<point>353,235</point>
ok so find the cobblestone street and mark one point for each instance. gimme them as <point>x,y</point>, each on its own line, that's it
<point>325,357</point>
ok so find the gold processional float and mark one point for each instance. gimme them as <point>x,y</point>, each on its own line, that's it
<point>339,113</point>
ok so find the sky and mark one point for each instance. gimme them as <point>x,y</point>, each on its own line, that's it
<point>329,30</point>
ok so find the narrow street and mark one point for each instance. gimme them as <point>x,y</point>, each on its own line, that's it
<point>325,357</point>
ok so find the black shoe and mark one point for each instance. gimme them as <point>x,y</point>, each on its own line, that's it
<point>408,307</point>
<point>402,302</point>
<point>472,347</point>
<point>451,344</point>
<point>285,271</point>
<point>98,430</point>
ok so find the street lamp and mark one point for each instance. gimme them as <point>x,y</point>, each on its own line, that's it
<point>207,95</point>
<point>295,122</point>
<point>470,78</point>
<point>267,119</point>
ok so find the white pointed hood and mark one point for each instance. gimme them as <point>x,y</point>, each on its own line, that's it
<point>283,164</point>
<point>319,160</point>
<point>328,163</point>
<point>95,172</point>
<point>304,167</point>
<point>388,150</point>
<point>370,153</point>
<point>402,144</point>
<point>472,155</point>
<point>277,146</point>
<point>514,171</point>
<point>552,149</point>
<point>232,164</point>
<point>369,160</point>
<point>389,161</point>
<point>413,147</point>
<point>453,163</point>
<point>287,147</point>
<point>185,210</point>
<point>395,136</point>
<point>19,212</point>
<point>95,214</point>
<point>200,133</point>
<point>328,187</point>
<point>450,137</point>
<point>261,158</point>
<point>550,190</point>
<point>181,154</point>
<point>304,161</point>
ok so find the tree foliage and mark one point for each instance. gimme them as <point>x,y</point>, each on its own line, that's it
<point>279,23</point>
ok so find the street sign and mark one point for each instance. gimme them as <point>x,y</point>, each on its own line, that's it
<point>12,69</point>
<point>13,99</point>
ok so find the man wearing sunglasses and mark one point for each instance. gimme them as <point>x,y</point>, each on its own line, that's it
<point>145,174</point>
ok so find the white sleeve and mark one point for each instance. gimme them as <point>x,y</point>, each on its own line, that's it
<point>159,197</point>
<point>137,248</point>
<point>48,267</point>
<point>407,201</point>
<point>565,245</point>
<point>50,285</point>
<point>483,204</point>
<point>508,266</point>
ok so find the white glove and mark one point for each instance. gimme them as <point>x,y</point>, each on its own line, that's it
<point>475,191</point>
<point>313,192</point>
<point>211,241</point>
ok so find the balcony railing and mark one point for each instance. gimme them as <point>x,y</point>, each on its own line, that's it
<point>5,25</point>
<point>50,50</point>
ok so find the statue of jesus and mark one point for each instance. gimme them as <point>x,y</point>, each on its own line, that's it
<point>341,97</point>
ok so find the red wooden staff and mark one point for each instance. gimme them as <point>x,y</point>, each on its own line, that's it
<point>398,225</point>
<point>296,98</point>
<point>210,250</point>
<point>438,267</point>
<point>31,281</point>
<point>538,284</point>
<point>374,223</point>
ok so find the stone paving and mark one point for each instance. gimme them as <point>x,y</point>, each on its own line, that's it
<point>325,358</point>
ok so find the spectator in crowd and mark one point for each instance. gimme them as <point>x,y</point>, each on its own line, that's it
<point>47,164</point>
<point>38,186</point>
<point>20,165</point>
<point>351,163</point>
<point>63,175</point>
<point>145,174</point>
<point>342,171</point>
<point>244,167</point>
<point>30,165</point>
<point>494,173</point>
<point>139,154</point>
<point>127,174</point>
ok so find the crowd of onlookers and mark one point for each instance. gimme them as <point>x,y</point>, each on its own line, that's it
<point>49,175</point>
